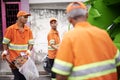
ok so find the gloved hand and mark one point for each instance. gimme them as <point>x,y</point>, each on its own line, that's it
<point>4,54</point>
<point>28,52</point>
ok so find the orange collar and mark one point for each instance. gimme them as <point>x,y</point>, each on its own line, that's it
<point>83,24</point>
<point>54,31</point>
<point>16,27</point>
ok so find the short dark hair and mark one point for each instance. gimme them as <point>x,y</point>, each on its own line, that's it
<point>77,12</point>
<point>52,21</point>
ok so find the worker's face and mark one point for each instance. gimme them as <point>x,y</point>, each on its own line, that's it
<point>53,24</point>
<point>23,19</point>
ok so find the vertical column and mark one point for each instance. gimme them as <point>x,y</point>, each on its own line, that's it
<point>3,16</point>
<point>25,5</point>
<point>1,32</point>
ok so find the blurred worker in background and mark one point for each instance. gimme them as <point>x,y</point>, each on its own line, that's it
<point>86,52</point>
<point>53,43</point>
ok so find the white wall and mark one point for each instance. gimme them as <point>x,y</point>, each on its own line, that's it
<point>49,6</point>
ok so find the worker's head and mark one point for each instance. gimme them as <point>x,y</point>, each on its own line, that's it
<point>23,16</point>
<point>53,23</point>
<point>76,11</point>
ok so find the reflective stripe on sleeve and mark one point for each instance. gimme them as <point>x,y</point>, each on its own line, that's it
<point>50,48</point>
<point>18,47</point>
<point>62,67</point>
<point>52,41</point>
<point>6,40</point>
<point>98,74</point>
<point>93,70</point>
<point>117,58</point>
<point>31,41</point>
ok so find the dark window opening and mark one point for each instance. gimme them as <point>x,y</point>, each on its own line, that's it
<point>11,12</point>
<point>11,0</point>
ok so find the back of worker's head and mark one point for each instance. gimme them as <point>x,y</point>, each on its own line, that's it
<point>76,10</point>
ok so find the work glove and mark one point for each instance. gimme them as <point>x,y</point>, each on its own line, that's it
<point>4,54</point>
<point>28,52</point>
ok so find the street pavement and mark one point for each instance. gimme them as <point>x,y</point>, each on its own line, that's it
<point>10,77</point>
<point>5,72</point>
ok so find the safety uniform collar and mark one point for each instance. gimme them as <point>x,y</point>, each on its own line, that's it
<point>54,31</point>
<point>82,24</point>
<point>16,27</point>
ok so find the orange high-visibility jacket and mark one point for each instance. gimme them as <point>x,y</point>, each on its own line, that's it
<point>87,53</point>
<point>53,38</point>
<point>17,41</point>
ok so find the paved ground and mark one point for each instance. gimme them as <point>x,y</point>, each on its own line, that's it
<point>10,77</point>
<point>5,72</point>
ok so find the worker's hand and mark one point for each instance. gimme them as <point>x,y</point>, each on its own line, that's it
<point>23,54</point>
<point>4,54</point>
<point>28,52</point>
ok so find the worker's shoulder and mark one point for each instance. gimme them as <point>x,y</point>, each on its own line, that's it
<point>82,32</point>
<point>102,31</point>
<point>70,33</point>
<point>49,33</point>
<point>11,27</point>
<point>52,32</point>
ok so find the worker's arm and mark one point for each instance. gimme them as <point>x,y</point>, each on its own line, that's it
<point>30,43</point>
<point>5,47</point>
<point>5,51</point>
<point>61,77</point>
<point>30,47</point>
<point>28,52</point>
<point>54,46</point>
<point>118,72</point>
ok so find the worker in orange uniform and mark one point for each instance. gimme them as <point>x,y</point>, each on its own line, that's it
<point>53,43</point>
<point>18,40</point>
<point>86,52</point>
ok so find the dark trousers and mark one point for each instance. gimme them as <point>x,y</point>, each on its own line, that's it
<point>53,75</point>
<point>17,75</point>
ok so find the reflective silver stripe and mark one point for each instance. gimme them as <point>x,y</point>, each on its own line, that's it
<point>93,70</point>
<point>118,58</point>
<point>6,40</point>
<point>18,47</point>
<point>62,67</point>
<point>52,41</point>
<point>50,48</point>
<point>31,41</point>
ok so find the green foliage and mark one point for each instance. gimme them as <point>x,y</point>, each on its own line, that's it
<point>103,14</point>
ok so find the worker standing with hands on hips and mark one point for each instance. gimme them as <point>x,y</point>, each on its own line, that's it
<point>18,40</point>
<point>53,43</point>
<point>86,52</point>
